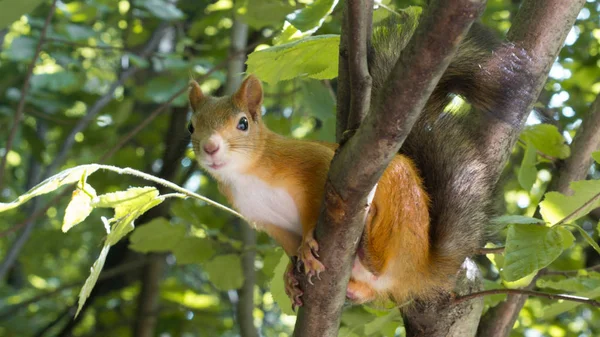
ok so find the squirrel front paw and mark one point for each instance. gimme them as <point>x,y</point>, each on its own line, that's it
<point>308,252</point>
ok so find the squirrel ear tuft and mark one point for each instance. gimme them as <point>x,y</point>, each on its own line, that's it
<point>196,96</point>
<point>249,96</point>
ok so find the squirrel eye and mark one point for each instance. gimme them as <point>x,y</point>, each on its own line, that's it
<point>243,124</point>
<point>190,128</point>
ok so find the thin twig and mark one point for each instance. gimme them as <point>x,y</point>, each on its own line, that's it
<point>576,212</point>
<point>24,91</point>
<point>564,297</point>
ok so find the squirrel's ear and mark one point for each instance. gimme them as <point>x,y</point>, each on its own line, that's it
<point>249,96</point>
<point>196,96</point>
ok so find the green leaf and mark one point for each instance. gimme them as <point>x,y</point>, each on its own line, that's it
<point>492,300</point>
<point>193,250</point>
<point>531,248</point>
<point>261,13</point>
<point>516,219</point>
<point>546,139</point>
<point>157,235</point>
<point>596,156</point>
<point>225,271</point>
<point>62,81</point>
<point>587,238</point>
<point>278,287</point>
<point>556,309</point>
<point>65,177</point>
<point>161,236</point>
<point>165,10</point>
<point>315,57</point>
<point>311,17</point>
<point>346,332</point>
<point>317,99</point>
<point>13,9</point>
<point>79,207</point>
<point>573,284</point>
<point>378,323</point>
<point>585,198</point>
<point>80,32</point>
<point>90,282</point>
<point>528,171</point>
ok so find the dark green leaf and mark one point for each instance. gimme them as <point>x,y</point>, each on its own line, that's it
<point>225,271</point>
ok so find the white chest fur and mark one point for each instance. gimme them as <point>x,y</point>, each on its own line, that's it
<point>260,202</point>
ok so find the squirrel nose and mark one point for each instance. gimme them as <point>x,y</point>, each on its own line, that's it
<point>211,148</point>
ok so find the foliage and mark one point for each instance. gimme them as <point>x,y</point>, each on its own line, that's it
<point>91,44</point>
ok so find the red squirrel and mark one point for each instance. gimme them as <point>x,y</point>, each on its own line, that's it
<point>429,207</point>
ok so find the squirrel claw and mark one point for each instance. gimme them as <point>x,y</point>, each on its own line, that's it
<point>307,254</point>
<point>291,287</point>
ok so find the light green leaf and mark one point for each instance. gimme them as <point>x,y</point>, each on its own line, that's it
<point>225,272</point>
<point>91,280</point>
<point>79,207</point>
<point>546,139</point>
<point>311,17</point>
<point>124,224</point>
<point>492,300</point>
<point>346,332</point>
<point>65,177</point>
<point>13,9</point>
<point>314,57</point>
<point>278,287</point>
<point>191,299</point>
<point>558,308</point>
<point>378,323</point>
<point>596,156</point>
<point>528,171</point>
<point>531,248</point>
<point>585,198</point>
<point>125,202</point>
<point>317,99</point>
<point>515,219</point>
<point>573,284</point>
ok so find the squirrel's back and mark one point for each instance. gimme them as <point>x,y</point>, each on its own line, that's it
<point>442,144</point>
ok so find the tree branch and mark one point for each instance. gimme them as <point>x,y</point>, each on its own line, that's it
<point>24,91</point>
<point>571,298</point>
<point>359,163</point>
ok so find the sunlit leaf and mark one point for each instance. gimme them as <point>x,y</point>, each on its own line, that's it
<point>546,139</point>
<point>314,57</point>
<point>65,177</point>
<point>90,282</point>
<point>125,202</point>
<point>528,171</point>
<point>558,308</point>
<point>225,272</point>
<point>124,225</point>
<point>261,13</point>
<point>530,248</point>
<point>79,207</point>
<point>585,198</point>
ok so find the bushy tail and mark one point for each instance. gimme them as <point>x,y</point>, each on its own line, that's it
<point>443,144</point>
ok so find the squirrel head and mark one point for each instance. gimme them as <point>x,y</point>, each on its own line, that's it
<point>226,131</point>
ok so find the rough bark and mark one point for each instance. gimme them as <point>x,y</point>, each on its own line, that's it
<point>539,29</point>
<point>359,163</point>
